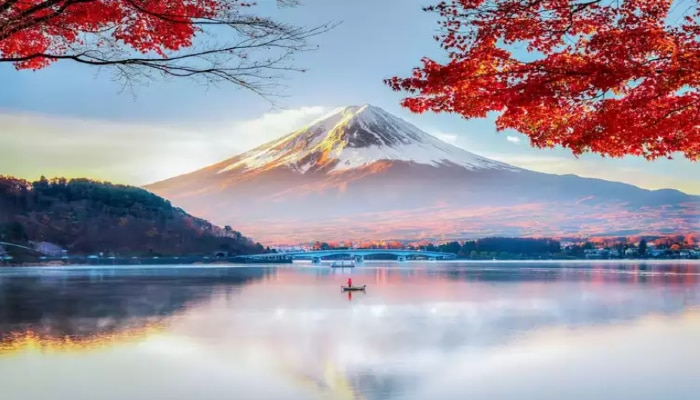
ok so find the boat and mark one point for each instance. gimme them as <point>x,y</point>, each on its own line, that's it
<point>341,264</point>
<point>353,288</point>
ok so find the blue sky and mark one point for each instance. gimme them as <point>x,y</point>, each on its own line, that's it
<point>72,120</point>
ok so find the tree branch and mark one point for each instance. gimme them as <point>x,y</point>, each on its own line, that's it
<point>236,62</point>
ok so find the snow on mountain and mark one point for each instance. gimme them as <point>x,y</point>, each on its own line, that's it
<point>361,173</point>
<point>354,137</point>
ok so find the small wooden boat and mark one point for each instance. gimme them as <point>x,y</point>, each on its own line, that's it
<point>341,264</point>
<point>353,288</point>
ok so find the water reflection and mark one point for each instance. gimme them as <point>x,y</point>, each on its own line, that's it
<point>420,332</point>
<point>87,302</point>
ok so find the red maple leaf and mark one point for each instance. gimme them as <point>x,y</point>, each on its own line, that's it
<point>138,36</point>
<point>615,78</point>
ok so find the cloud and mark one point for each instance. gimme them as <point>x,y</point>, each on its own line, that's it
<point>139,153</point>
<point>608,169</point>
<point>33,145</point>
<point>513,139</point>
<point>544,163</point>
<point>247,134</point>
<point>450,138</point>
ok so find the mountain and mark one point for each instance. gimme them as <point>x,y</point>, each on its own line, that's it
<point>85,217</point>
<point>360,173</point>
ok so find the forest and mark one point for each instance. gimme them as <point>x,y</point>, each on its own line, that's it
<point>486,247</point>
<point>493,246</point>
<point>546,248</point>
<point>84,216</point>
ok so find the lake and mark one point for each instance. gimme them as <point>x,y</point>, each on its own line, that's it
<point>421,331</point>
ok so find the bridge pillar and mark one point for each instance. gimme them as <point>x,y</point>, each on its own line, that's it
<point>359,259</point>
<point>402,258</point>
<point>316,260</point>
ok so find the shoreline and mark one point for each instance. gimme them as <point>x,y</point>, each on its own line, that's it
<point>228,264</point>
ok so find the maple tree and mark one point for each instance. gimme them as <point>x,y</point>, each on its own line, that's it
<point>215,40</point>
<point>610,77</point>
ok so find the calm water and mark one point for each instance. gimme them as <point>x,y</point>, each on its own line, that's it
<point>421,331</point>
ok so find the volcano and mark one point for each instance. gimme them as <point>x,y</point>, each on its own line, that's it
<point>360,173</point>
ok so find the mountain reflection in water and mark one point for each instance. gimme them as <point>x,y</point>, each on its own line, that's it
<point>420,332</point>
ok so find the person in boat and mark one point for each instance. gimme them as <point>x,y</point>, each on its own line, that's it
<point>349,282</point>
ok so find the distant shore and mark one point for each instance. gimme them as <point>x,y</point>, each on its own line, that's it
<point>135,261</point>
<point>201,261</point>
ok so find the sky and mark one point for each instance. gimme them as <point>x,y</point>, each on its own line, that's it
<point>74,121</point>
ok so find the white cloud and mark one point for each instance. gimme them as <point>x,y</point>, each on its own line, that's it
<point>244,135</point>
<point>450,138</point>
<point>513,139</point>
<point>32,145</point>
<point>596,167</point>
<point>137,153</point>
<point>544,163</point>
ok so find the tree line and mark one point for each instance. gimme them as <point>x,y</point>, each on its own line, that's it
<point>521,248</point>
<point>499,246</point>
<point>84,216</point>
<point>486,247</point>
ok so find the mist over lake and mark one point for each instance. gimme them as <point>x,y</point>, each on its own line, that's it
<point>420,331</point>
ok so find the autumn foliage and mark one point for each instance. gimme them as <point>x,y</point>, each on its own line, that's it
<point>138,37</point>
<point>66,21</point>
<point>611,77</point>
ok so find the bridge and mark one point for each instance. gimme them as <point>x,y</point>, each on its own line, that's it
<point>5,256</point>
<point>16,245</point>
<point>358,254</point>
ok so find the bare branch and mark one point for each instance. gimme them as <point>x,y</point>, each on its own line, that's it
<point>254,53</point>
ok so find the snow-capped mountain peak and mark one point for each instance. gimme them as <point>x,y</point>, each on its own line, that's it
<point>354,137</point>
<point>360,173</point>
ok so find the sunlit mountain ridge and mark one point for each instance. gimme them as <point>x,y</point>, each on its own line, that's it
<point>361,173</point>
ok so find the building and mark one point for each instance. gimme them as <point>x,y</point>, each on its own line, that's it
<point>597,253</point>
<point>48,249</point>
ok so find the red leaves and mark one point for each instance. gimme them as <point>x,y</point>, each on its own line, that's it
<point>601,77</point>
<point>32,28</point>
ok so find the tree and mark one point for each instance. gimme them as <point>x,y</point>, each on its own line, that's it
<point>642,247</point>
<point>214,40</point>
<point>613,78</point>
<point>86,216</point>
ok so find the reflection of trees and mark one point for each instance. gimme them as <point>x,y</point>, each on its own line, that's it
<point>331,383</point>
<point>82,304</point>
<point>381,385</point>
<point>378,348</point>
<point>453,315</point>
<point>603,273</point>
<point>661,274</point>
<point>28,340</point>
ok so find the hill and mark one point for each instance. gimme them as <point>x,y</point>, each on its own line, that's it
<point>85,216</point>
<point>361,173</point>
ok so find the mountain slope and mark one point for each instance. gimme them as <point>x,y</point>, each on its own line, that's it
<point>355,137</point>
<point>362,173</point>
<point>84,216</point>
